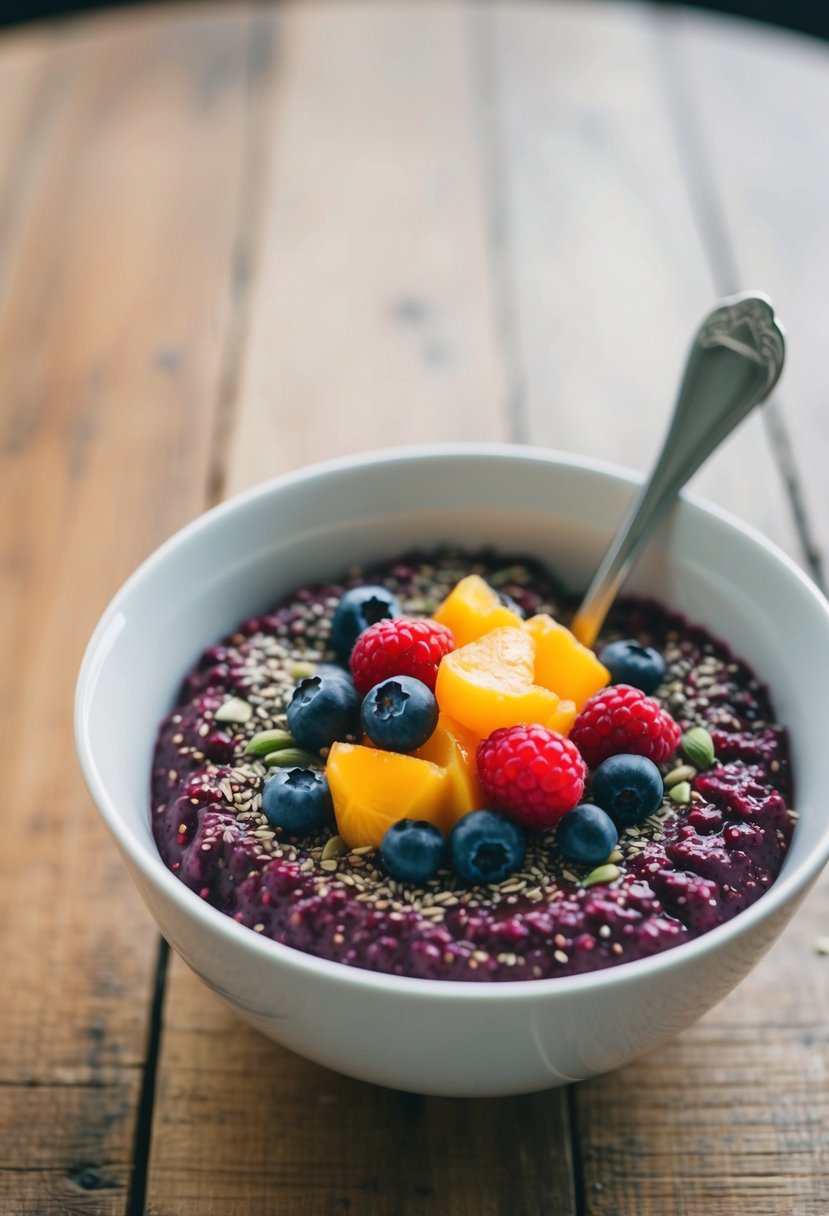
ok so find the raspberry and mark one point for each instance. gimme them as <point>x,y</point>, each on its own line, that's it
<point>399,647</point>
<point>534,775</point>
<point>622,720</point>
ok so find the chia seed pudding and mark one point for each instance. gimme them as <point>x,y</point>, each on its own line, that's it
<point>713,846</point>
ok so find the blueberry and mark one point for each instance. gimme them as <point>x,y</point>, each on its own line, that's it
<point>357,609</point>
<point>298,800</point>
<point>399,714</point>
<point>629,788</point>
<point>325,670</point>
<point>486,847</point>
<point>587,835</point>
<point>324,708</point>
<point>412,850</point>
<point>631,663</point>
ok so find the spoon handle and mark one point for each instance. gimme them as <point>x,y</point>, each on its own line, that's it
<point>734,362</point>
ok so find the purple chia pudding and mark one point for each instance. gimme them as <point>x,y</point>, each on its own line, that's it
<point>692,865</point>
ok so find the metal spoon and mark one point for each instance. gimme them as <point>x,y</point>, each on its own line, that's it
<point>734,362</point>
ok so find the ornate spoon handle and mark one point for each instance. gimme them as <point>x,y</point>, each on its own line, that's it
<point>734,362</point>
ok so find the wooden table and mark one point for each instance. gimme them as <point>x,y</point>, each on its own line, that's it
<point>236,238</point>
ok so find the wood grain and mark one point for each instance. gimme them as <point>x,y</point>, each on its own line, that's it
<point>371,323</point>
<point>415,221</point>
<point>733,1114</point>
<point>550,161</point>
<point>244,1126</point>
<point>760,99</point>
<point>373,316</point>
<point>607,277</point>
<point>117,260</point>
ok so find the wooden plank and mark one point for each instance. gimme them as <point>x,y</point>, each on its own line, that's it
<point>372,321</point>
<point>111,324</point>
<point>244,1125</point>
<point>733,1113</point>
<point>24,57</point>
<point>759,99</point>
<point>608,279</point>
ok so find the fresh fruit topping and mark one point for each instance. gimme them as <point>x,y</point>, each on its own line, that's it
<point>357,609</point>
<point>486,847</point>
<point>561,721</point>
<point>372,789</point>
<point>587,835</point>
<point>454,748</point>
<point>510,603</point>
<point>698,746</point>
<point>473,608</point>
<point>297,800</point>
<point>399,647</point>
<point>622,719</point>
<point>531,773</point>
<point>330,669</point>
<point>629,662</point>
<point>412,850</point>
<point>629,788</point>
<point>489,683</point>
<point>562,664</point>
<point>323,708</point>
<point>399,714</point>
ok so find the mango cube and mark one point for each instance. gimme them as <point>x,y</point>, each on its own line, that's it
<point>472,609</point>
<point>372,789</point>
<point>563,718</point>
<point>563,664</point>
<point>454,748</point>
<point>489,683</point>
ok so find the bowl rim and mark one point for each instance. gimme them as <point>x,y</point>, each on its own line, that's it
<point>783,890</point>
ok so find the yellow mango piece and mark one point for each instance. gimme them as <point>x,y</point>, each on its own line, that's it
<point>563,718</point>
<point>372,789</point>
<point>472,609</point>
<point>454,748</point>
<point>489,683</point>
<point>563,664</point>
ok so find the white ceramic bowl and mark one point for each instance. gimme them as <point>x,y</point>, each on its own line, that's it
<point>443,1037</point>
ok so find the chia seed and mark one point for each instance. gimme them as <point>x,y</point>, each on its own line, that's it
<point>681,872</point>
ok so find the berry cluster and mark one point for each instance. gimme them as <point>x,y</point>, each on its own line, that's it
<point>529,776</point>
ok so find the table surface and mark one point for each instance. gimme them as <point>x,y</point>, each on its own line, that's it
<point>236,238</point>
